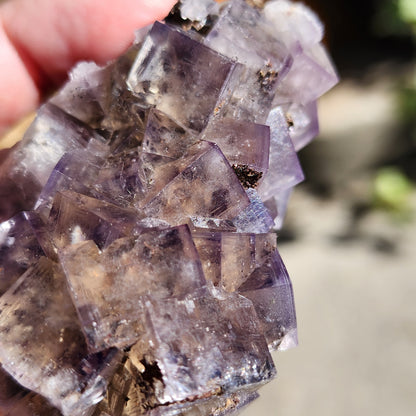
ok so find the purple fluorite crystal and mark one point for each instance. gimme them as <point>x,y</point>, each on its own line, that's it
<point>139,268</point>
<point>42,345</point>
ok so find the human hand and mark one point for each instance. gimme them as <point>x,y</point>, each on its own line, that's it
<point>40,40</point>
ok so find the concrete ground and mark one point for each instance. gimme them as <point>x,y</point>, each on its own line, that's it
<point>355,289</point>
<point>356,313</point>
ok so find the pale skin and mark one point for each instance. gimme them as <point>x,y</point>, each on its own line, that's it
<point>40,40</point>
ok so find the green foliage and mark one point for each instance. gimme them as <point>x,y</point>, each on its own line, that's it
<point>392,192</point>
<point>395,17</point>
<point>407,11</point>
<point>407,109</point>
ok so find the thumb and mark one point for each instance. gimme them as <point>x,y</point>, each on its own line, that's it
<point>40,40</point>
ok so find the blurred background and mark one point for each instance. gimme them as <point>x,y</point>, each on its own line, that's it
<point>349,240</point>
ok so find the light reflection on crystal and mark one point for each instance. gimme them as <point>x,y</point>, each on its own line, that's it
<point>144,277</point>
<point>178,76</point>
<point>42,345</point>
<point>108,285</point>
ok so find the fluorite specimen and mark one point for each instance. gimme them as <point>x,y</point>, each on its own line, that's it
<point>139,267</point>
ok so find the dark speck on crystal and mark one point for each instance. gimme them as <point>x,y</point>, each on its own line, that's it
<point>139,271</point>
<point>267,77</point>
<point>248,177</point>
<point>289,120</point>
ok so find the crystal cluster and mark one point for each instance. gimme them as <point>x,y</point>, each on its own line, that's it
<point>139,268</point>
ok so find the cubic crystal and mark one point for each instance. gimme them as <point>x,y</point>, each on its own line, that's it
<point>139,268</point>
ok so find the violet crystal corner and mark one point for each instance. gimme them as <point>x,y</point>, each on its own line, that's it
<point>140,273</point>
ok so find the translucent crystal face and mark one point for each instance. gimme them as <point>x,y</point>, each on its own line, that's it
<point>19,249</point>
<point>108,285</point>
<point>179,76</point>
<point>42,345</point>
<point>139,271</point>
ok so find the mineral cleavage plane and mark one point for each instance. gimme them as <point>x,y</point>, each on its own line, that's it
<point>139,271</point>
